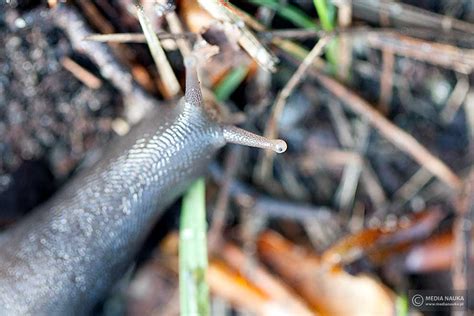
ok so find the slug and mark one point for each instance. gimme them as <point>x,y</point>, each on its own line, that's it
<point>65,256</point>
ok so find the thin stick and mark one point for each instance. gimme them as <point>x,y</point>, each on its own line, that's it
<point>81,73</point>
<point>226,13</point>
<point>386,80</point>
<point>271,130</point>
<point>138,102</point>
<point>393,133</point>
<point>462,236</point>
<point>176,28</point>
<point>344,20</point>
<point>410,188</point>
<point>272,127</point>
<point>222,203</point>
<point>345,194</point>
<point>448,56</point>
<point>344,133</point>
<point>134,37</point>
<point>119,38</point>
<point>407,15</point>
<point>167,75</point>
<point>456,99</point>
<point>469,110</point>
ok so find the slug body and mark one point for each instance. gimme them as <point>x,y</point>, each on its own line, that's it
<point>70,251</point>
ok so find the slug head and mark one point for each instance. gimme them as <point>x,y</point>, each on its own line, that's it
<point>232,134</point>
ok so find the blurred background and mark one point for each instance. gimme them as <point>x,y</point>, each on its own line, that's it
<point>374,198</point>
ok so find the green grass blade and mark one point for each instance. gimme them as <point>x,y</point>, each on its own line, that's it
<point>401,305</point>
<point>193,288</point>
<point>325,15</point>
<point>228,85</point>
<point>291,13</point>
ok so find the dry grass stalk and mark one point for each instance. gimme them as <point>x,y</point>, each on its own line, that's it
<point>408,15</point>
<point>167,76</point>
<point>393,133</point>
<point>456,99</point>
<point>81,73</point>
<point>462,232</point>
<point>452,57</point>
<point>271,130</point>
<point>386,80</point>
<point>249,42</point>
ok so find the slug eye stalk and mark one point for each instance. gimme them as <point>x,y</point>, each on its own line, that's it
<point>240,136</point>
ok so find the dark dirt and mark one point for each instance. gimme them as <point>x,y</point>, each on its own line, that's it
<point>49,120</point>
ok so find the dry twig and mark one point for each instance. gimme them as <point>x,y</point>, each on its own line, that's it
<point>137,102</point>
<point>449,56</point>
<point>405,14</point>
<point>386,80</point>
<point>222,203</point>
<point>393,133</point>
<point>456,99</point>
<point>167,76</point>
<point>176,28</point>
<point>271,130</point>
<point>81,73</point>
<point>462,232</point>
<point>225,13</point>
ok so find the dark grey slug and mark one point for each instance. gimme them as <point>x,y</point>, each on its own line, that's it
<point>68,253</point>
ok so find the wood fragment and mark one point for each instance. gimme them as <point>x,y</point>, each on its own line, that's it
<point>81,73</point>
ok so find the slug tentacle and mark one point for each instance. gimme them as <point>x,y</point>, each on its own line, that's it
<point>240,136</point>
<point>193,94</point>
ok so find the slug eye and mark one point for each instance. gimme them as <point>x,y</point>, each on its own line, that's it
<point>279,146</point>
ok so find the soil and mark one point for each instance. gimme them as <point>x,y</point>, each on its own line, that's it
<point>49,120</point>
